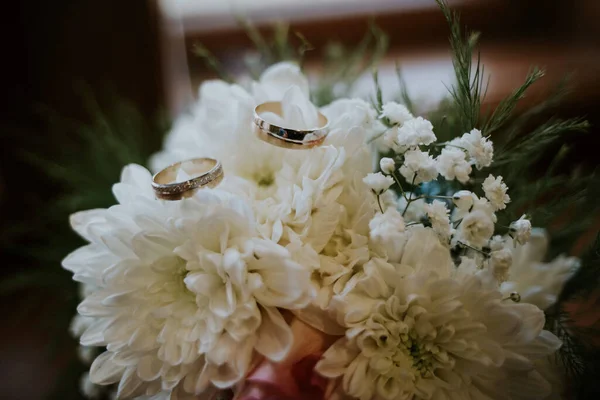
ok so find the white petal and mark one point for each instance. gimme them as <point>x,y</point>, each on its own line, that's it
<point>336,359</point>
<point>274,335</point>
<point>103,371</point>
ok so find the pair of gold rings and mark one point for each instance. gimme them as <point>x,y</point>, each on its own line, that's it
<point>208,172</point>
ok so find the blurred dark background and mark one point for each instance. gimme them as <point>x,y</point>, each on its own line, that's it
<point>59,55</point>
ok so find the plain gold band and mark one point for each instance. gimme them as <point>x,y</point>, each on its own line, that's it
<point>166,189</point>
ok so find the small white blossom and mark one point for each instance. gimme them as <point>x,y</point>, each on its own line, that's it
<point>497,243</point>
<point>387,165</point>
<point>453,164</point>
<point>463,200</point>
<point>415,132</point>
<point>378,182</point>
<point>438,215</point>
<point>390,138</point>
<point>386,224</point>
<point>387,232</point>
<point>500,262</point>
<point>416,208</point>
<point>520,230</point>
<point>396,113</point>
<point>418,165</point>
<point>476,228</point>
<point>495,190</point>
<point>480,149</point>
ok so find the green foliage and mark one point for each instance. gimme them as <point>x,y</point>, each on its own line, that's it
<point>469,91</point>
<point>531,155</point>
<point>404,97</point>
<point>211,61</point>
<point>278,45</point>
<point>504,110</point>
<point>569,320</point>
<point>342,65</point>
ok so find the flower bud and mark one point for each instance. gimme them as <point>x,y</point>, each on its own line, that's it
<point>387,165</point>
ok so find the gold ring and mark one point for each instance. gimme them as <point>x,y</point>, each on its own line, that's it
<point>285,137</point>
<point>206,172</point>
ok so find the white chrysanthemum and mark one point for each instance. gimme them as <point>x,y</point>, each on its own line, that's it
<point>291,190</point>
<point>476,228</point>
<point>278,78</point>
<point>452,164</point>
<point>495,191</point>
<point>378,182</point>
<point>387,232</point>
<point>520,230</point>
<point>343,114</point>
<point>396,113</point>
<point>387,165</point>
<point>480,149</point>
<point>186,291</point>
<point>415,132</point>
<point>418,166</point>
<point>440,221</point>
<point>218,126</point>
<point>429,335</point>
<point>537,282</point>
<point>347,250</point>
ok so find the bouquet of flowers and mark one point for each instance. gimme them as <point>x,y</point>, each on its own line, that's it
<point>365,261</point>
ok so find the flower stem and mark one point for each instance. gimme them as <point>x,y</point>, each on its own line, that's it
<point>474,249</point>
<point>410,200</point>
<point>399,185</point>
<point>444,144</point>
<point>379,203</point>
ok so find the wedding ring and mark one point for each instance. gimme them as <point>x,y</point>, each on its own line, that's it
<point>205,172</point>
<point>286,137</point>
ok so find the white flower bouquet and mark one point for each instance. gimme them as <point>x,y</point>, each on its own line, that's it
<point>312,274</point>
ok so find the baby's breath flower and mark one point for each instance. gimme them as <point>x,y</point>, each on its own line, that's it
<point>500,262</point>
<point>438,215</point>
<point>415,132</point>
<point>476,228</point>
<point>495,191</point>
<point>418,165</point>
<point>387,165</point>
<point>396,113</point>
<point>480,149</point>
<point>378,182</point>
<point>453,164</point>
<point>520,230</point>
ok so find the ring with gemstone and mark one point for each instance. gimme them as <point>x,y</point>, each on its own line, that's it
<point>286,137</point>
<point>203,172</point>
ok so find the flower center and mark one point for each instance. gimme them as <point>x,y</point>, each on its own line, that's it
<point>422,355</point>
